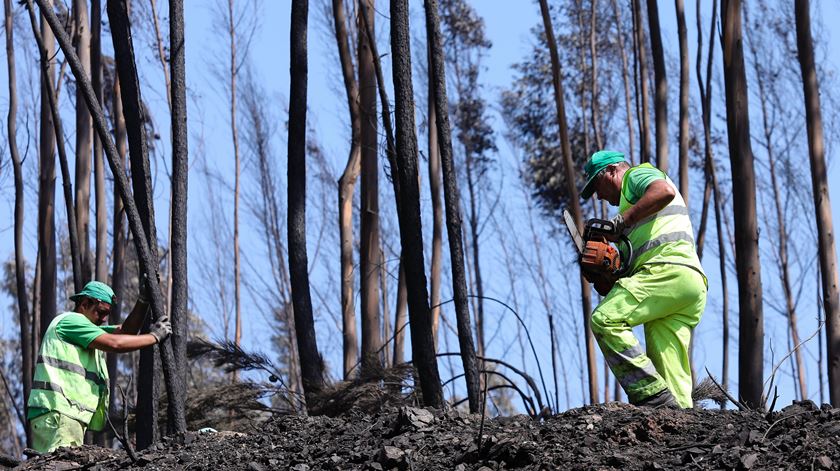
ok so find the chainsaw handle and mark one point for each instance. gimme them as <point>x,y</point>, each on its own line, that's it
<point>624,268</point>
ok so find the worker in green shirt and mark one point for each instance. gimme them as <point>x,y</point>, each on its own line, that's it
<point>665,289</point>
<point>70,389</point>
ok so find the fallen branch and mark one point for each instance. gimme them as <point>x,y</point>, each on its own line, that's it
<point>738,403</point>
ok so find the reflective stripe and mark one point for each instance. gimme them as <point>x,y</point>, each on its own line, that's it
<point>663,239</point>
<point>47,386</point>
<point>636,374</point>
<point>615,359</point>
<point>670,210</point>
<point>73,368</point>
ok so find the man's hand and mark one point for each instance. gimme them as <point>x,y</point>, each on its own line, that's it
<point>603,281</point>
<point>161,329</point>
<point>618,226</point>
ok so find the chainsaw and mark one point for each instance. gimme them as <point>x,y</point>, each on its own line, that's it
<point>596,254</point>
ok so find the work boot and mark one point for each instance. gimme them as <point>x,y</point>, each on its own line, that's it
<point>661,399</point>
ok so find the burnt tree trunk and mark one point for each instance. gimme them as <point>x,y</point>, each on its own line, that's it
<point>642,79</point>
<point>437,208</point>
<point>101,259</point>
<point>660,97</point>
<point>437,77</point>
<point>46,192</point>
<point>628,103</point>
<point>747,263</point>
<point>311,363</point>
<point>180,172</point>
<point>407,187</point>
<point>26,345</point>
<point>574,199</point>
<point>682,32</point>
<point>822,203</point>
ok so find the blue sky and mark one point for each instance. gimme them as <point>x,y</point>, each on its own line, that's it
<point>508,25</point>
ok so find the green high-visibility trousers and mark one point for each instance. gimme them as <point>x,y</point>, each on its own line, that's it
<point>54,429</point>
<point>669,300</point>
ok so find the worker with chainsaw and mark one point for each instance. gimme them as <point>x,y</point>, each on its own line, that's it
<point>663,288</point>
<point>70,389</point>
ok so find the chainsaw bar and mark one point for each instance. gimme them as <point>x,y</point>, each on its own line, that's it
<point>573,230</point>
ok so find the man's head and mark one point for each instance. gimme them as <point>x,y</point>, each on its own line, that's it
<point>94,301</point>
<point>604,172</point>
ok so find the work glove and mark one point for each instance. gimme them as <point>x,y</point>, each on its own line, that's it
<point>161,329</point>
<point>618,225</point>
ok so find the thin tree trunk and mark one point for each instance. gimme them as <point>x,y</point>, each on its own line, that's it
<point>119,237</point>
<point>101,261</point>
<point>311,363</point>
<point>407,187</point>
<point>437,208</point>
<point>369,247</point>
<point>453,213</point>
<point>26,345</point>
<point>574,199</point>
<point>822,203</point>
<point>237,274</point>
<point>179,281</point>
<point>781,225</point>
<point>400,321</point>
<point>346,187</point>
<point>660,98</point>
<point>751,331</point>
<point>711,175</point>
<point>386,314</point>
<point>58,130</point>
<point>626,78</point>
<point>160,53</point>
<point>682,32</point>
<point>593,102</point>
<point>46,193</point>
<point>641,59</point>
<point>84,133</point>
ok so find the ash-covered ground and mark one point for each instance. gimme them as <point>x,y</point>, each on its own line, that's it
<point>614,436</point>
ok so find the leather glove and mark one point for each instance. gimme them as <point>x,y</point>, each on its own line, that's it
<point>604,284</point>
<point>161,329</point>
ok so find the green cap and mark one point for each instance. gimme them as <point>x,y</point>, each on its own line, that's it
<point>96,290</point>
<point>599,161</point>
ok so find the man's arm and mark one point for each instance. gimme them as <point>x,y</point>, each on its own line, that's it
<point>657,195</point>
<point>122,343</point>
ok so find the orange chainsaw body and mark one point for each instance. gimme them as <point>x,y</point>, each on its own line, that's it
<point>599,256</point>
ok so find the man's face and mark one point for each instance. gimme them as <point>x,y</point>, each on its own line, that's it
<point>96,311</point>
<point>608,185</point>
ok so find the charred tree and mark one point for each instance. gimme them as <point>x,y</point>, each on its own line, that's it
<point>46,192</point>
<point>682,32</point>
<point>180,172</point>
<point>625,75</point>
<point>311,363</point>
<point>453,211</point>
<point>407,187</point>
<point>822,203</point>
<point>574,199</point>
<point>26,346</point>
<point>642,78</point>
<point>747,263</point>
<point>437,208</point>
<point>660,97</point>
<point>101,258</point>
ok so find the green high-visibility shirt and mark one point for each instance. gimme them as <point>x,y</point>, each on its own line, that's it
<point>638,181</point>
<point>78,330</point>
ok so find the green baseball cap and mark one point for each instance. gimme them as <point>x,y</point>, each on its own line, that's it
<point>96,290</point>
<point>599,161</point>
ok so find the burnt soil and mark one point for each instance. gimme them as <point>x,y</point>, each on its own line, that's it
<point>603,437</point>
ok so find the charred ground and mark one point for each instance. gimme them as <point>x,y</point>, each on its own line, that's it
<point>611,436</point>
